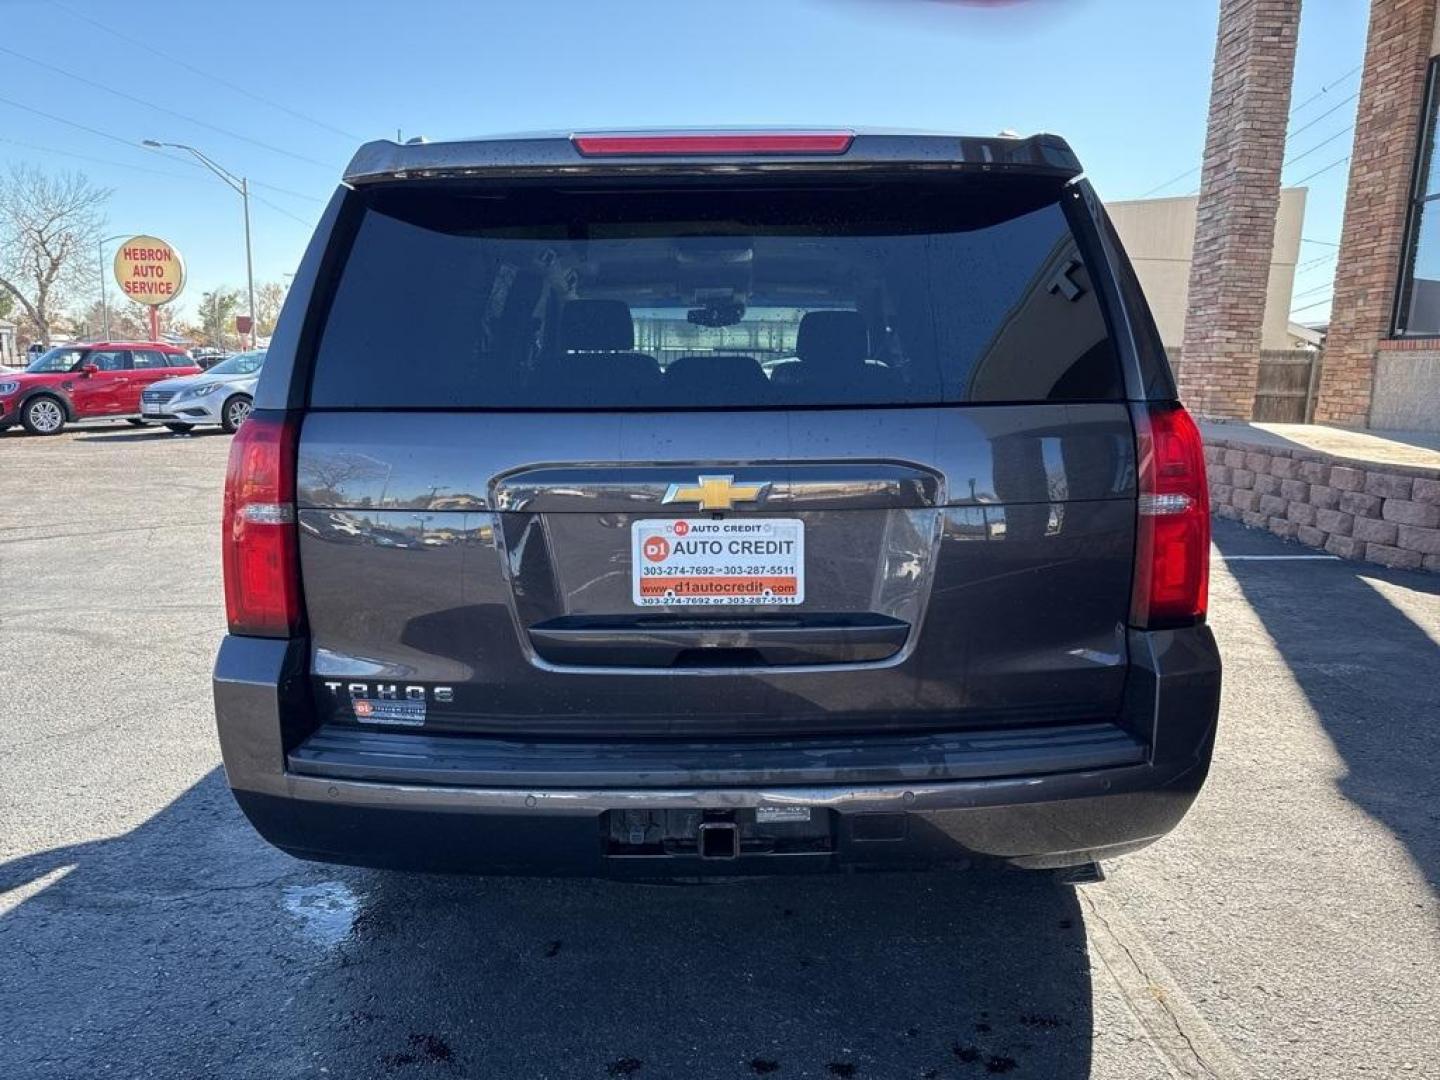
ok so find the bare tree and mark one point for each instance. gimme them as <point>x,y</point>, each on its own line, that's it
<point>269,299</point>
<point>217,314</point>
<point>48,229</point>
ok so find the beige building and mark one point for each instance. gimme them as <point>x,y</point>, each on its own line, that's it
<point>1159,234</point>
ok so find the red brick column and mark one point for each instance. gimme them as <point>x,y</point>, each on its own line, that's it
<point>1392,93</point>
<point>1239,195</point>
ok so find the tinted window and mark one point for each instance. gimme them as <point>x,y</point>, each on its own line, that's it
<point>56,360</point>
<point>153,358</point>
<point>108,359</point>
<point>1418,310</point>
<point>714,298</point>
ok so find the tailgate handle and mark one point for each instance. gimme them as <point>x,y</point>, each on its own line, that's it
<point>837,639</point>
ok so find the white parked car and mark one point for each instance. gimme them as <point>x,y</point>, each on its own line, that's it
<point>222,395</point>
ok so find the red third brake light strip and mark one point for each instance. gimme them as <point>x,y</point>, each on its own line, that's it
<point>834,142</point>
<point>1172,538</point>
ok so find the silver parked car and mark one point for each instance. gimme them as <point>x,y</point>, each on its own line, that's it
<point>222,395</point>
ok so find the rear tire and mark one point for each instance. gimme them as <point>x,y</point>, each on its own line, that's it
<point>43,415</point>
<point>234,413</point>
<point>180,429</point>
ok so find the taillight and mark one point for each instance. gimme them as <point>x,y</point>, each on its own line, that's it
<point>260,553</point>
<point>706,143</point>
<point>1172,539</point>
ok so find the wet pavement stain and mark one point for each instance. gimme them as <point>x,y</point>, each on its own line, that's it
<point>1000,1064</point>
<point>1042,1020</point>
<point>325,912</point>
<point>432,1047</point>
<point>967,1055</point>
<point>625,1066</point>
<point>763,1066</point>
<point>424,1049</point>
<point>553,949</point>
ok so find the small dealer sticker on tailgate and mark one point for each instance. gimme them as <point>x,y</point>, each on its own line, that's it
<point>701,562</point>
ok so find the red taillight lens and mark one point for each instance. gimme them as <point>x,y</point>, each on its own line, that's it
<point>829,142</point>
<point>260,553</point>
<point>1172,539</point>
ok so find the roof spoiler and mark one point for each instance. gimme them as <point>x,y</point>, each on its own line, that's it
<point>685,151</point>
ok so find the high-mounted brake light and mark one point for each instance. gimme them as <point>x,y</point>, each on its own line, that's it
<point>829,142</point>
<point>259,541</point>
<point>1172,537</point>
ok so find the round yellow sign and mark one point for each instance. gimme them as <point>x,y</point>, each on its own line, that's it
<point>149,270</point>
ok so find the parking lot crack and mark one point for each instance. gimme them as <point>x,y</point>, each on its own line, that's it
<point>1189,1045</point>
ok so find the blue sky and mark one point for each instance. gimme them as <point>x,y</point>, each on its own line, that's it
<point>1126,81</point>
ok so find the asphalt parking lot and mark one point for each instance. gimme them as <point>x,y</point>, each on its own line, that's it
<point>1287,929</point>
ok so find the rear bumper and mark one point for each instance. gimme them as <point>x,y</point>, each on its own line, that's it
<point>1029,810</point>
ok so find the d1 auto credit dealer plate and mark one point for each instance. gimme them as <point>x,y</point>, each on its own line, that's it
<point>698,562</point>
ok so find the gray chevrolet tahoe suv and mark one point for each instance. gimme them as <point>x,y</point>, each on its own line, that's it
<point>716,502</point>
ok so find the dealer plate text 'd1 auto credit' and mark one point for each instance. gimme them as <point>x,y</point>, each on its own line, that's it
<point>703,562</point>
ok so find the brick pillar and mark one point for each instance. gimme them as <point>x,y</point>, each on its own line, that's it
<point>1392,93</point>
<point>1239,196</point>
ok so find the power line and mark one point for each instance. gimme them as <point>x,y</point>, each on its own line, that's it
<point>1326,169</point>
<point>163,109</point>
<point>1317,146</point>
<point>1317,303</point>
<point>1167,183</point>
<point>1326,89</point>
<point>1313,264</point>
<point>69,123</point>
<point>1297,131</point>
<point>207,74</point>
<point>1309,291</point>
<point>1334,108</point>
<point>1324,243</point>
<point>285,191</point>
<point>129,145</point>
<point>99,160</point>
<point>282,210</point>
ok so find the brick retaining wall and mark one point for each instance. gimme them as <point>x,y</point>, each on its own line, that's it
<point>1384,514</point>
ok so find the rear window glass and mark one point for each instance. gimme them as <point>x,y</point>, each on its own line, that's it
<point>714,298</point>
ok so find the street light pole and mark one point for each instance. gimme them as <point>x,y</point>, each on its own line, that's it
<point>105,303</point>
<point>242,186</point>
<point>249,267</point>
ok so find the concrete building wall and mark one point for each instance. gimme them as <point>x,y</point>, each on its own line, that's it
<point>1159,235</point>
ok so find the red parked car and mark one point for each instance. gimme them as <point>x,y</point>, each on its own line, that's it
<point>86,382</point>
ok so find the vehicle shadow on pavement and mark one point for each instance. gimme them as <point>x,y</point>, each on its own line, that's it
<point>1371,674</point>
<point>187,947</point>
<point>146,435</point>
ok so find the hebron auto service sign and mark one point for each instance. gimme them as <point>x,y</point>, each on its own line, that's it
<point>149,270</point>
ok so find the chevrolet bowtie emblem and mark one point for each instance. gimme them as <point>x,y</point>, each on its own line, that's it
<point>714,492</point>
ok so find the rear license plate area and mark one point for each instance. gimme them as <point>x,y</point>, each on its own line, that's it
<point>718,834</point>
<point>705,562</point>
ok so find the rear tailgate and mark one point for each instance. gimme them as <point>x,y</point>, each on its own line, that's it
<point>925,523</point>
